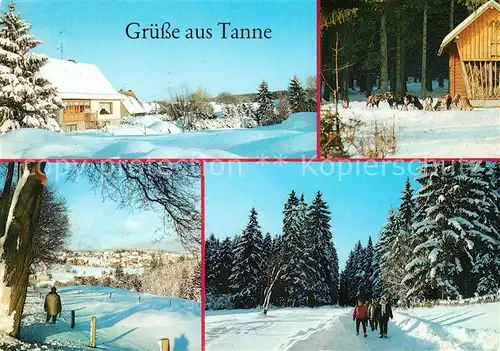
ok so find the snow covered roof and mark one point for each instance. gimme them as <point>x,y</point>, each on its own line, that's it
<point>131,102</point>
<point>468,21</point>
<point>78,80</point>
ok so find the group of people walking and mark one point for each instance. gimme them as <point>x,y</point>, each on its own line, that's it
<point>377,313</point>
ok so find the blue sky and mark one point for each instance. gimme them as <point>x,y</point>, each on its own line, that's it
<point>94,32</point>
<point>358,194</point>
<point>96,224</point>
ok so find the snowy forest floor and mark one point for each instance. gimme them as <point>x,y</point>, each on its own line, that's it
<point>451,133</point>
<point>472,327</point>
<point>123,323</point>
<point>295,137</point>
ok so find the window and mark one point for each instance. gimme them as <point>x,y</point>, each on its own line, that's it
<point>76,106</point>
<point>105,108</point>
<point>72,127</point>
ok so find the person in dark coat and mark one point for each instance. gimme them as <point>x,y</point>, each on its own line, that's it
<point>384,312</point>
<point>52,305</point>
<point>359,315</point>
<point>372,311</point>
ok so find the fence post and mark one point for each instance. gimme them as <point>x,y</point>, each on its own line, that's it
<point>164,344</point>
<point>92,332</point>
<point>110,295</point>
<point>72,319</point>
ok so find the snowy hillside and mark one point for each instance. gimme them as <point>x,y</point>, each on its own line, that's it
<point>472,327</point>
<point>123,322</point>
<point>295,137</point>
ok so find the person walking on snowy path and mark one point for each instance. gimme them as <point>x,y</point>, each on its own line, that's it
<point>372,310</point>
<point>384,312</point>
<point>52,305</point>
<point>359,315</point>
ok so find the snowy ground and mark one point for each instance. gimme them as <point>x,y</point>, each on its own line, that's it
<point>295,137</point>
<point>123,323</point>
<point>473,327</point>
<point>455,134</point>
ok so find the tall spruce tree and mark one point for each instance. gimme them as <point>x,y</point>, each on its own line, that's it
<point>265,112</point>
<point>26,99</point>
<point>323,261</point>
<point>213,263</point>
<point>226,264</point>
<point>246,274</point>
<point>297,95</point>
<point>368,288</point>
<point>295,269</point>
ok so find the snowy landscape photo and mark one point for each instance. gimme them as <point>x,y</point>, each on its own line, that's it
<point>118,242</point>
<point>400,80</point>
<point>162,80</point>
<point>352,256</point>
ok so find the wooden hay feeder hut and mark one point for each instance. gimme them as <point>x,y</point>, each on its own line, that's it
<point>474,49</point>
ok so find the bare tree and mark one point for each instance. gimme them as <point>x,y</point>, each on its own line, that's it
<point>52,230</point>
<point>171,187</point>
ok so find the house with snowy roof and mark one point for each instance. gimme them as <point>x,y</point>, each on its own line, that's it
<point>131,105</point>
<point>89,99</point>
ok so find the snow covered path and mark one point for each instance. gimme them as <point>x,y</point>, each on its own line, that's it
<point>251,330</point>
<point>123,323</point>
<point>470,327</point>
<point>440,328</point>
<point>295,137</point>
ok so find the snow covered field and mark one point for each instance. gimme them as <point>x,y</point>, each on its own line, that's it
<point>123,323</point>
<point>455,134</point>
<point>435,134</point>
<point>472,327</point>
<point>295,137</point>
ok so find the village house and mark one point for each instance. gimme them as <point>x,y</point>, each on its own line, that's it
<point>89,99</point>
<point>474,50</point>
<point>131,105</point>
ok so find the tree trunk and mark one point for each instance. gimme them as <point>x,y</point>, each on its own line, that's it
<point>384,71</point>
<point>18,246</point>
<point>423,89</point>
<point>399,65</point>
<point>452,15</point>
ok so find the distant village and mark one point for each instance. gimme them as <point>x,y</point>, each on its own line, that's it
<point>123,258</point>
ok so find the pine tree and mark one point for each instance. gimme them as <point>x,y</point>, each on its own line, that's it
<point>360,264</point>
<point>323,261</point>
<point>26,99</point>
<point>213,265</point>
<point>376,279</point>
<point>246,275</point>
<point>265,113</point>
<point>267,248</point>
<point>226,263</point>
<point>386,238</point>
<point>295,269</point>
<point>400,251</point>
<point>297,95</point>
<point>368,288</point>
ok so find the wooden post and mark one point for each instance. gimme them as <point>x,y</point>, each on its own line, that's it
<point>164,344</point>
<point>110,295</point>
<point>72,319</point>
<point>93,323</point>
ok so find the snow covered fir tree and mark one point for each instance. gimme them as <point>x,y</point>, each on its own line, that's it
<point>298,267</point>
<point>26,99</point>
<point>442,242</point>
